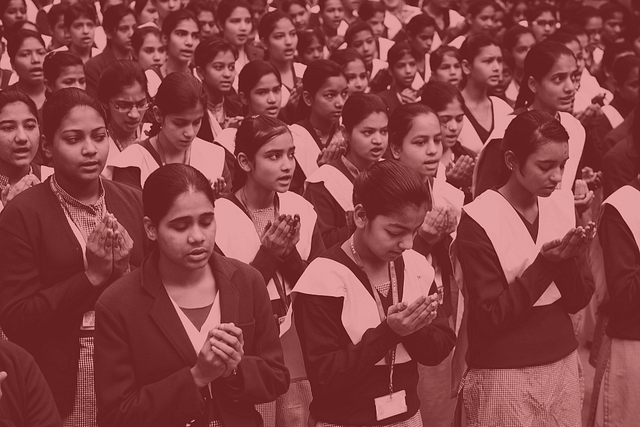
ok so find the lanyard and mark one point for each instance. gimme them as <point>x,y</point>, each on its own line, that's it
<point>391,356</point>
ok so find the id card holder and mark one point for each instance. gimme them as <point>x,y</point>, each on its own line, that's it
<point>88,321</point>
<point>389,406</point>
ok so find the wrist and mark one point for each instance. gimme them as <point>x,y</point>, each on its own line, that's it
<point>95,279</point>
<point>198,379</point>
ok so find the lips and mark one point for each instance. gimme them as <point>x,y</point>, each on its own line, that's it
<point>286,178</point>
<point>198,252</point>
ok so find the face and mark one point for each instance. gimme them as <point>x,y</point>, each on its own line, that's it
<point>557,89</point>
<point>523,46</point>
<point>365,44</point>
<point>506,76</point>
<point>311,53</point>
<point>484,21</point>
<point>404,71</point>
<point>451,122</point>
<point>19,137</point>
<point>329,99</point>
<point>450,70</point>
<point>238,26</point>
<point>165,7</point>
<point>544,25</point>
<point>273,165</point>
<point>300,17</point>
<point>186,234</point>
<point>208,27</point>
<point>82,31</point>
<point>519,12</point>
<point>149,14</point>
<point>218,74</point>
<point>283,41</point>
<point>80,146</point>
<point>72,76</point>
<point>183,41</point>
<point>577,51</point>
<point>28,61</point>
<point>357,76</point>
<point>613,27</point>
<point>265,97</point>
<point>181,128</point>
<point>259,8</point>
<point>628,90</point>
<point>332,14</point>
<point>391,4</point>
<point>369,139</point>
<point>542,171</point>
<point>442,4</point>
<point>498,22</point>
<point>421,147</point>
<point>593,27</point>
<point>152,52</point>
<point>423,40</point>
<point>121,37</point>
<point>16,11</point>
<point>127,108</point>
<point>377,24</point>
<point>486,67</point>
<point>59,33</point>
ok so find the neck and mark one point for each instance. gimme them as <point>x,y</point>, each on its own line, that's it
<point>397,8</point>
<point>85,192</point>
<point>120,135</point>
<point>214,97</point>
<point>14,173</point>
<point>537,105</point>
<point>518,74</point>
<point>282,66</point>
<point>357,161</point>
<point>519,197</point>
<point>255,196</point>
<point>175,66</point>
<point>323,124</point>
<point>171,153</point>
<point>474,92</point>
<point>120,53</point>
<point>83,53</point>
<point>31,89</point>
<point>176,276</point>
<point>367,257</point>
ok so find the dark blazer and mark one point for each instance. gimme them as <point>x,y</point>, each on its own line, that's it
<point>143,355</point>
<point>390,99</point>
<point>44,290</point>
<point>94,68</point>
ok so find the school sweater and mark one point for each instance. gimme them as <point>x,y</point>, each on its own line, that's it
<point>619,165</point>
<point>622,270</point>
<point>505,330</point>
<point>44,290</point>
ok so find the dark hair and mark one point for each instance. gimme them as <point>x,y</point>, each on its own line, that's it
<point>623,66</point>
<point>583,15</point>
<point>511,37</point>
<point>613,52</point>
<point>438,95</point>
<point>574,29</point>
<point>55,62</point>
<point>398,51</point>
<point>80,10</point>
<point>526,132</point>
<point>307,37</point>
<point>369,8</point>
<point>112,16</point>
<point>59,104</point>
<point>476,7</point>
<point>608,9</point>
<point>207,52</point>
<point>179,92</point>
<point>118,75</point>
<point>198,6</point>
<point>253,72</point>
<point>419,23</point>
<point>359,106</point>
<point>474,43</point>
<point>269,21</point>
<point>14,95</point>
<point>286,5</point>
<point>322,4</point>
<point>139,7</point>
<point>254,132</point>
<point>564,38</point>
<point>401,121</point>
<point>167,183</point>
<point>17,39</point>
<point>316,74</point>
<point>54,14</point>
<point>508,60</point>
<point>22,25</point>
<point>437,56</point>
<point>175,18</point>
<point>344,57</point>
<point>539,9</point>
<point>226,8</point>
<point>4,4</point>
<point>354,29</point>
<point>539,61</point>
<point>388,187</point>
<point>632,31</point>
<point>140,34</point>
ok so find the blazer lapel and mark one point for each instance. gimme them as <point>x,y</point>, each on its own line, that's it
<point>229,294</point>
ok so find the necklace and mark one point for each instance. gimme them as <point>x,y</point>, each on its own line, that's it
<point>383,288</point>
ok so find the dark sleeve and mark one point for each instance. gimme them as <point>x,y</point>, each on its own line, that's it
<point>433,343</point>
<point>497,304</point>
<point>617,170</point>
<point>267,263</point>
<point>330,364</point>
<point>293,266</point>
<point>92,73</point>
<point>331,217</point>
<point>129,175</point>
<point>622,270</point>
<point>575,290</point>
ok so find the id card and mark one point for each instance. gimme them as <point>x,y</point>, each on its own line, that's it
<point>88,321</point>
<point>389,406</point>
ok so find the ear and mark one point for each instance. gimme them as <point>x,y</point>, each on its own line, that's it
<point>360,216</point>
<point>150,229</point>
<point>395,151</point>
<point>157,114</point>
<point>244,98</point>
<point>244,162</point>
<point>200,73</point>
<point>510,160</point>
<point>165,39</point>
<point>466,67</point>
<point>307,98</point>
<point>48,86</point>
<point>533,85</point>
<point>47,148</point>
<point>109,34</point>
<point>469,19</point>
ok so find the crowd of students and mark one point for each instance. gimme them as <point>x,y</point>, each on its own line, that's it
<point>318,213</point>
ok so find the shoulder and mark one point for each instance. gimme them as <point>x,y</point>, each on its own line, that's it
<point>121,190</point>
<point>500,106</point>
<point>571,124</point>
<point>33,202</point>
<point>123,292</point>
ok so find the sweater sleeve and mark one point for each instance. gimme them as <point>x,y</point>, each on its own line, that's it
<point>433,343</point>
<point>575,290</point>
<point>331,217</point>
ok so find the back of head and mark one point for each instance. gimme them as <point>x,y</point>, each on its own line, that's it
<point>17,38</point>
<point>354,29</point>
<point>117,76</point>
<point>208,50</point>
<point>80,10</point>
<point>59,105</point>
<point>474,43</point>
<point>55,62</point>
<point>623,66</point>
<point>179,92</point>
<point>438,95</point>
<point>419,23</point>
<point>359,106</point>
<point>613,52</point>
<point>401,121</point>
<point>563,37</point>
<point>174,18</point>
<point>253,72</point>
<point>344,57</point>
<point>369,8</point>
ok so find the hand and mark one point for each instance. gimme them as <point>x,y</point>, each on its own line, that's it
<point>406,319</point>
<point>218,187</point>
<point>99,252</point>
<point>209,365</point>
<point>12,191</point>
<point>333,151</point>
<point>574,243</point>
<point>122,247</point>
<point>3,376</point>
<point>232,122</point>
<point>460,173</point>
<point>582,197</point>
<point>294,234</point>
<point>589,113</point>
<point>335,42</point>
<point>277,236</point>
<point>294,97</point>
<point>408,96</point>
<point>593,179</point>
<point>437,224</point>
<point>230,344</point>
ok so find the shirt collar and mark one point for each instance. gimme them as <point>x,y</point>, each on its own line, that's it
<point>69,199</point>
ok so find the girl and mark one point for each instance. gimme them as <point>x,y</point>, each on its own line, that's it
<point>208,316</point>
<point>177,110</point>
<point>147,47</point>
<point>517,247</point>
<point>63,69</point>
<point>373,13</point>
<point>235,22</point>
<point>480,20</point>
<point>27,51</point>
<point>543,20</point>
<point>333,26</point>
<point>353,68</point>
<point>146,12</point>
<point>164,8</point>
<point>360,37</point>
<point>446,65</point>
<point>62,243</point>
<point>446,19</point>
<point>317,136</point>
<point>19,142</point>
<point>273,229</point>
<point>12,12</point>
<point>397,14</point>
<point>122,91</point>
<point>403,68</point>
<point>181,35</point>
<point>421,30</point>
<point>518,40</point>
<point>311,46</point>
<point>80,23</point>
<point>485,115</point>
<point>341,301</point>
<point>330,188</point>
<point>300,15</point>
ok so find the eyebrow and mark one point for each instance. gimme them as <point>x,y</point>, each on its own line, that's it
<point>188,218</point>
<point>400,226</point>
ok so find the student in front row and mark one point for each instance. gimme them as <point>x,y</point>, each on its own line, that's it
<point>517,247</point>
<point>62,243</point>
<point>367,311</point>
<point>207,316</point>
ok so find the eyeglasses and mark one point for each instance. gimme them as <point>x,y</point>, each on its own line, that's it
<point>125,107</point>
<point>543,23</point>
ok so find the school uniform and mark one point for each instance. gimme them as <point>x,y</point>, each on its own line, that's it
<point>589,88</point>
<point>384,44</point>
<point>457,42</point>
<point>395,25</point>
<point>345,344</point>
<point>452,20</point>
<point>95,66</point>
<point>45,295</point>
<point>473,136</point>
<point>391,99</point>
<point>619,165</point>
<point>40,172</point>
<point>146,345</point>
<point>516,321</point>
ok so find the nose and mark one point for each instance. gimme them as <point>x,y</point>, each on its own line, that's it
<point>196,235</point>
<point>271,98</point>
<point>35,58</point>
<point>407,242</point>
<point>570,86</point>
<point>21,135</point>
<point>556,176</point>
<point>340,101</point>
<point>134,113</point>
<point>452,125</point>
<point>89,148</point>
<point>288,40</point>
<point>432,148</point>
<point>189,40</point>
<point>288,164</point>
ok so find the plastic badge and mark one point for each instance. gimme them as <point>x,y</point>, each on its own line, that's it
<point>389,406</point>
<point>88,321</point>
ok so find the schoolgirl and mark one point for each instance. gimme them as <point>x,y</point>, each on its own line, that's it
<point>264,224</point>
<point>181,35</point>
<point>518,40</point>
<point>330,188</point>
<point>362,363</point>
<point>27,51</point>
<point>207,315</point>
<point>420,31</point>
<point>446,65</point>
<point>146,12</point>
<point>486,116</point>
<point>235,22</point>
<point>333,26</point>
<point>397,14</point>
<point>373,13</point>
<point>300,15</point>
<point>12,12</point>
<point>479,19</point>
<point>80,21</point>
<point>360,37</point>
<point>447,20</point>
<point>63,69</point>
<point>353,68</point>
<point>403,68</point>
<point>178,110</point>
<point>543,20</point>
<point>311,46</point>
<point>62,243</point>
<point>205,11</point>
<point>122,91</point>
<point>147,47</point>
<point>318,136</point>
<point>517,249</point>
<point>163,9</point>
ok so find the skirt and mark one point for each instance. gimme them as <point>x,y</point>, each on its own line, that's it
<point>84,405</point>
<point>415,421</point>
<point>290,409</point>
<point>538,396</point>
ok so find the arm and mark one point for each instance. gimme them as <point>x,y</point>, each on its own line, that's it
<point>576,291</point>
<point>331,218</point>
<point>433,343</point>
<point>294,265</point>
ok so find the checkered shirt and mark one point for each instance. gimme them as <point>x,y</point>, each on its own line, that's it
<point>86,217</point>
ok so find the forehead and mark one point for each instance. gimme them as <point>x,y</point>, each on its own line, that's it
<point>190,114</point>
<point>72,70</point>
<point>128,20</point>
<point>240,12</point>
<point>332,4</point>
<point>188,204</point>
<point>133,91</point>
<point>284,24</point>
<point>425,125</point>
<point>564,64</point>
<point>83,118</point>
<point>151,39</point>
<point>16,111</point>
<point>187,25</point>
<point>205,15</point>
<point>374,120</point>
<point>30,44</point>
<point>410,216</point>
<point>279,142</point>
<point>491,50</point>
<point>355,67</point>
<point>338,83</point>
<point>551,151</point>
<point>15,3</point>
<point>267,81</point>
<point>526,39</point>
<point>224,56</point>
<point>488,10</point>
<point>453,108</point>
